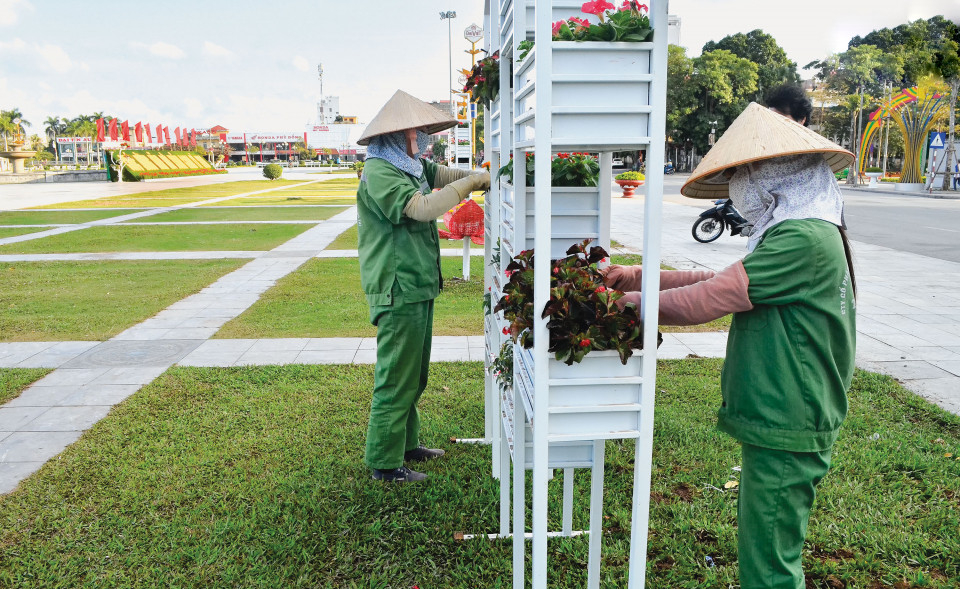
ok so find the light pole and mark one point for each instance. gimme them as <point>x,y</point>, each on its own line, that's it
<point>449,16</point>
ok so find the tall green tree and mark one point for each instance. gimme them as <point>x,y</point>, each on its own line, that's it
<point>681,93</point>
<point>946,61</point>
<point>773,65</point>
<point>724,84</point>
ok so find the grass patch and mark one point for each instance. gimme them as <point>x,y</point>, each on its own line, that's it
<point>245,214</point>
<point>57,217</point>
<point>254,477</point>
<point>45,301</point>
<point>323,298</point>
<point>349,240</point>
<point>14,380</point>
<point>156,238</point>
<point>273,201</point>
<point>175,196</point>
<point>15,231</point>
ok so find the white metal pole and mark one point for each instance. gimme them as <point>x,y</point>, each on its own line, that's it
<point>650,304</point>
<point>596,516</point>
<point>519,487</point>
<point>466,257</point>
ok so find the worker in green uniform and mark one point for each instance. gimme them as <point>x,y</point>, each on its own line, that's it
<point>792,342</point>
<point>400,271</point>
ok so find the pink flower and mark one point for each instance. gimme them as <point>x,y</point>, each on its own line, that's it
<point>580,21</point>
<point>556,271</point>
<point>555,30</point>
<point>596,7</point>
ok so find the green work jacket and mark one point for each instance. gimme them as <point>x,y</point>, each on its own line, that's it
<point>790,359</point>
<point>394,247</point>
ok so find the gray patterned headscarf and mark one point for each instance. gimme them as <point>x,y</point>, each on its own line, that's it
<point>790,187</point>
<point>392,147</point>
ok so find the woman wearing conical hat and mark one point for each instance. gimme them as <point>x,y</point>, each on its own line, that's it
<point>791,346</point>
<point>400,271</point>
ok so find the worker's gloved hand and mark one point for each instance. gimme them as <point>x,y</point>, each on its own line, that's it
<point>629,297</point>
<point>623,278</point>
<point>481,180</point>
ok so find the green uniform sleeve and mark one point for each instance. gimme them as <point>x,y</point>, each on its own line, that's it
<point>430,171</point>
<point>389,189</point>
<point>780,269</point>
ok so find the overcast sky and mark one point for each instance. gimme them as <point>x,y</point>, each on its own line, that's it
<point>252,66</point>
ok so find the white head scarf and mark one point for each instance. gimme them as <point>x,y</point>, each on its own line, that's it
<point>392,147</point>
<point>790,187</point>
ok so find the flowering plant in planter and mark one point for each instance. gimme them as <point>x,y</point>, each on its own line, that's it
<point>627,23</point>
<point>484,80</point>
<point>582,313</point>
<point>566,169</point>
<point>501,365</point>
<point>636,176</point>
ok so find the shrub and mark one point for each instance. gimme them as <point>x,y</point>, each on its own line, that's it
<point>272,171</point>
<point>873,169</point>
<point>630,176</point>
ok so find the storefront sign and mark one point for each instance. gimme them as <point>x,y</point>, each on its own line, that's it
<point>74,140</point>
<point>473,33</point>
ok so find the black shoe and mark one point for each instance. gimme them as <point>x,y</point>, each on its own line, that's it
<point>422,454</point>
<point>398,475</point>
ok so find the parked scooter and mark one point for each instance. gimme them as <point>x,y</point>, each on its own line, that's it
<point>668,168</point>
<point>711,223</point>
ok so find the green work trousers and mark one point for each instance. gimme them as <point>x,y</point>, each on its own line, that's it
<point>777,490</point>
<point>404,335</point>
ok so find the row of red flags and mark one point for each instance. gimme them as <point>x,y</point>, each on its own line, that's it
<point>183,137</point>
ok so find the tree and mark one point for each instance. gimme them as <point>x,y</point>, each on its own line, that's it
<point>724,84</point>
<point>8,126</point>
<point>773,65</point>
<point>53,127</point>
<point>681,93</point>
<point>946,61</point>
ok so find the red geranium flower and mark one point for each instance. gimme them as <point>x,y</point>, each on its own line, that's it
<point>505,331</point>
<point>584,343</point>
<point>601,289</point>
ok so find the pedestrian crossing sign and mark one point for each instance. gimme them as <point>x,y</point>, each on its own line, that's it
<point>937,140</point>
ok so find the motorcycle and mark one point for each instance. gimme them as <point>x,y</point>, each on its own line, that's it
<point>711,223</point>
<point>668,168</point>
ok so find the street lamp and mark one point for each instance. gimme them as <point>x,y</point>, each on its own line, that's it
<point>449,16</point>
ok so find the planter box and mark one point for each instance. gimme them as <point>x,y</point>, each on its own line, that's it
<point>599,398</point>
<point>600,95</point>
<point>575,216</point>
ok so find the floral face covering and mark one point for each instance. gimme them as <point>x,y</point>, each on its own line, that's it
<point>790,187</point>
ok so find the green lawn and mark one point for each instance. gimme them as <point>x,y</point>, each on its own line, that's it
<point>254,477</point>
<point>245,214</point>
<point>14,380</point>
<point>46,301</point>
<point>175,196</point>
<point>157,238</point>
<point>323,298</point>
<point>57,217</point>
<point>348,240</point>
<point>272,201</point>
<point>14,231</point>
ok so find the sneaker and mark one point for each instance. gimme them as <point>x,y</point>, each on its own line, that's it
<point>398,475</point>
<point>422,454</point>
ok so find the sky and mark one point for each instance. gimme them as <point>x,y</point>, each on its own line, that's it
<point>251,66</point>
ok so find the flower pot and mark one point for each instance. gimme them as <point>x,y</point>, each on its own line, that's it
<point>599,398</point>
<point>600,95</point>
<point>874,176</point>
<point>629,186</point>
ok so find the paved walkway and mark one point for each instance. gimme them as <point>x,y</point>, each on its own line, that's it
<point>908,312</point>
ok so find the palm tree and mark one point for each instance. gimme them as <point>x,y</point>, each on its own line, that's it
<point>53,127</point>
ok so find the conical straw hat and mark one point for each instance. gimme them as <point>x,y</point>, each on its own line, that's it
<point>758,134</point>
<point>403,111</point>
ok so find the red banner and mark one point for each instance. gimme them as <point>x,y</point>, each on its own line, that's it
<point>101,134</point>
<point>125,130</point>
<point>166,135</point>
<point>176,131</point>
<point>113,129</point>
<point>147,133</point>
<point>138,132</point>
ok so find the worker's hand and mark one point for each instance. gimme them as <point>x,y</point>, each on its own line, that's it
<point>481,181</point>
<point>622,277</point>
<point>629,297</point>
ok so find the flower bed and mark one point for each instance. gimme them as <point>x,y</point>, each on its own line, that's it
<point>162,163</point>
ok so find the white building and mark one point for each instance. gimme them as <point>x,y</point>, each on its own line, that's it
<point>328,109</point>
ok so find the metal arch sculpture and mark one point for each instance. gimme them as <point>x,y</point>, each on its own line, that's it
<point>914,110</point>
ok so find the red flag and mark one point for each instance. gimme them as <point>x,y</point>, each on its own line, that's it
<point>138,132</point>
<point>125,130</point>
<point>113,129</point>
<point>148,134</point>
<point>166,135</point>
<point>193,138</point>
<point>223,137</point>
<point>176,131</point>
<point>101,134</point>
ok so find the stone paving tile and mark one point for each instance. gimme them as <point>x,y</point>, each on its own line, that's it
<point>368,343</point>
<point>278,345</point>
<point>70,377</point>
<point>14,418</point>
<point>11,473</point>
<point>35,446</point>
<point>40,396</point>
<point>129,375</point>
<point>211,359</point>
<point>333,343</point>
<point>109,394</point>
<point>225,345</point>
<point>192,333</point>
<point>951,366</point>
<point>116,353</point>
<point>268,358</point>
<point>67,419</point>
<point>909,369</point>
<point>369,356</point>
<point>138,333</point>
<point>341,356</point>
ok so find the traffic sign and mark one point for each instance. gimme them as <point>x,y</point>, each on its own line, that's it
<point>937,140</point>
<point>473,33</point>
